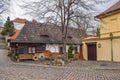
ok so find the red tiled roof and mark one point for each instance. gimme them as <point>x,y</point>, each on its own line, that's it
<point>19,20</point>
<point>17,32</point>
<point>116,6</point>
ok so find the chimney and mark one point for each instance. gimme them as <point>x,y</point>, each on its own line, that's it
<point>34,21</point>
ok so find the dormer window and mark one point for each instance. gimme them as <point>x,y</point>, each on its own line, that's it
<point>70,37</point>
<point>44,36</point>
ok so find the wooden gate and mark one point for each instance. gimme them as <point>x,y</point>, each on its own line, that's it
<point>92,54</point>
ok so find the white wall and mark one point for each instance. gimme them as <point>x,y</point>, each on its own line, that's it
<point>18,26</point>
<point>55,47</point>
<point>52,47</point>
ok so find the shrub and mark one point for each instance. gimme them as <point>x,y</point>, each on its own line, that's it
<point>70,50</point>
<point>15,56</point>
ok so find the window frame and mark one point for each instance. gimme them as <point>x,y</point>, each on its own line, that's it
<point>76,49</point>
<point>60,49</point>
<point>20,49</point>
<point>31,50</point>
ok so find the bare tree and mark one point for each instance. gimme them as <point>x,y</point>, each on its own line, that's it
<point>4,8</point>
<point>65,13</point>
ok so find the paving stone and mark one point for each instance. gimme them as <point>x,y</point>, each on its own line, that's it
<point>78,70</point>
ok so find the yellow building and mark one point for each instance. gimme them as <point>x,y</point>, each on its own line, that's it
<point>107,46</point>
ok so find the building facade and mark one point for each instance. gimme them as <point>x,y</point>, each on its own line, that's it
<point>107,46</point>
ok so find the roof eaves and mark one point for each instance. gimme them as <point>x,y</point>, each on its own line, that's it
<point>107,13</point>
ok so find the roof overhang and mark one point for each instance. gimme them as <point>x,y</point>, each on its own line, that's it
<point>108,13</point>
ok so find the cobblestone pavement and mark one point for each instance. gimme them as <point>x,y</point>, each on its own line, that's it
<point>78,70</point>
<point>100,65</point>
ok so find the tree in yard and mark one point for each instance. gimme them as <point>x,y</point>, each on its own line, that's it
<point>64,13</point>
<point>98,32</point>
<point>8,28</point>
<point>4,8</point>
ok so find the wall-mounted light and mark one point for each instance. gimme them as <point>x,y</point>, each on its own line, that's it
<point>99,45</point>
<point>111,38</point>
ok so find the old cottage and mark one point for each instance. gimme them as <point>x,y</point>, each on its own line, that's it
<point>37,37</point>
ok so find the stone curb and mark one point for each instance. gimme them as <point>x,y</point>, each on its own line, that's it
<point>107,69</point>
<point>39,65</point>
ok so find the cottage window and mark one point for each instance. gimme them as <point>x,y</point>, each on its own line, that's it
<point>70,37</point>
<point>31,50</point>
<point>20,50</point>
<point>61,49</point>
<point>76,50</point>
<point>44,36</point>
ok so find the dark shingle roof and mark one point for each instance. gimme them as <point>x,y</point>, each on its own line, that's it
<point>114,7</point>
<point>34,32</point>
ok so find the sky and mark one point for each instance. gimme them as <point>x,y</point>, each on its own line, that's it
<point>16,11</point>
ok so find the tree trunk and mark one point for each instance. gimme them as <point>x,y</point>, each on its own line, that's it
<point>64,50</point>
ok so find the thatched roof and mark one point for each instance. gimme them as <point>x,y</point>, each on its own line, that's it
<point>34,32</point>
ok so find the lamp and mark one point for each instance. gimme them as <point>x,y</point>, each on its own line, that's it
<point>111,38</point>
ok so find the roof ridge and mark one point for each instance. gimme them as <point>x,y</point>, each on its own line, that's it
<point>20,20</point>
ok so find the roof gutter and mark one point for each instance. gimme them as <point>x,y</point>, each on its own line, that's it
<point>107,13</point>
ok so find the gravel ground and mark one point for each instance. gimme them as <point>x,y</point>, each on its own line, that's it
<point>78,70</point>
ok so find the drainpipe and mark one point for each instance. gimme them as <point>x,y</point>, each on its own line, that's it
<point>111,39</point>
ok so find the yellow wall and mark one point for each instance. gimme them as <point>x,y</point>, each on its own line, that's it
<point>109,24</point>
<point>84,47</point>
<point>116,49</point>
<point>104,53</point>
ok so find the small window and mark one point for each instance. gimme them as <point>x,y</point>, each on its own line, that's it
<point>31,50</point>
<point>76,50</point>
<point>20,50</point>
<point>61,49</point>
<point>70,37</point>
